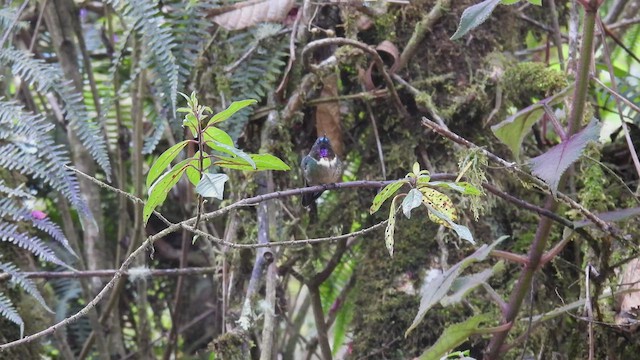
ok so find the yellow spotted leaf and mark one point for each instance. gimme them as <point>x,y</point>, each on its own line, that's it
<point>441,203</point>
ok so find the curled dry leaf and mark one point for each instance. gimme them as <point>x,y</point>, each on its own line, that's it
<point>249,13</point>
<point>328,114</point>
<point>390,56</point>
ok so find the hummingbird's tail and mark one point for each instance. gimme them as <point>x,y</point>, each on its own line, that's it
<point>309,198</point>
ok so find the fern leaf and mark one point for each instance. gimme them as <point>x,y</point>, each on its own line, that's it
<point>9,312</point>
<point>47,78</point>
<point>158,47</point>
<point>50,168</point>
<point>9,233</point>
<point>14,211</point>
<point>11,192</point>
<point>25,283</point>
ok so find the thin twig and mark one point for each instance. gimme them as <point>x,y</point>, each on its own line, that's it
<point>513,166</point>
<point>110,272</point>
<point>367,49</point>
<point>6,34</point>
<point>614,91</point>
<point>421,29</point>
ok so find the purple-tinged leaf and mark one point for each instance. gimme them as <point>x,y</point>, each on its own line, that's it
<point>513,130</point>
<point>610,216</point>
<point>551,165</point>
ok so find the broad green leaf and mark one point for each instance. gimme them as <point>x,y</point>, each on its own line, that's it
<point>473,16</point>
<point>232,109</point>
<point>163,161</point>
<point>411,201</point>
<point>435,290</point>
<point>391,228</point>
<point>191,122</point>
<point>440,202</point>
<point>423,180</point>
<point>453,336</point>
<point>465,284</point>
<point>416,168</point>
<point>192,170</point>
<point>269,162</point>
<point>536,2</point>
<point>262,161</point>
<point>213,133</point>
<point>508,2</point>
<point>552,164</point>
<point>212,185</point>
<point>384,194</point>
<point>231,150</point>
<point>462,187</point>
<point>513,130</point>
<point>159,190</point>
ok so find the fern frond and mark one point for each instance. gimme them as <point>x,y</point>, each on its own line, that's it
<point>256,77</point>
<point>9,233</point>
<point>48,167</point>
<point>157,52</point>
<point>25,283</point>
<point>7,16</point>
<point>11,192</point>
<point>8,311</point>
<point>47,78</point>
<point>15,212</point>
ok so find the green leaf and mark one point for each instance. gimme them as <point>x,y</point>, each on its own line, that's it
<point>163,161</point>
<point>508,2</point>
<point>386,193</point>
<point>391,228</point>
<point>191,122</point>
<point>512,130</point>
<point>435,290</point>
<point>159,190</point>
<point>218,146</point>
<point>192,170</point>
<point>473,16</point>
<point>536,2</point>
<point>216,134</point>
<point>462,187</point>
<point>453,336</point>
<point>269,162</point>
<point>411,201</point>
<point>262,161</point>
<point>212,185</point>
<point>232,109</point>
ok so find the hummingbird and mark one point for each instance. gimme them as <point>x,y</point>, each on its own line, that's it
<point>321,166</point>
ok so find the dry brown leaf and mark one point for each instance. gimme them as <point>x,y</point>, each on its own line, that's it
<point>390,55</point>
<point>328,115</point>
<point>254,13</point>
<point>629,303</point>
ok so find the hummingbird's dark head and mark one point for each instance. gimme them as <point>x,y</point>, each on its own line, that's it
<point>322,148</point>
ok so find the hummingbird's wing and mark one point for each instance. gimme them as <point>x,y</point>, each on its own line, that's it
<point>308,198</point>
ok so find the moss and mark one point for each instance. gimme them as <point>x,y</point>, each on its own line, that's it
<point>385,298</point>
<point>531,80</point>
<point>229,346</point>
